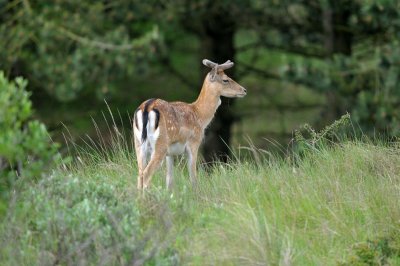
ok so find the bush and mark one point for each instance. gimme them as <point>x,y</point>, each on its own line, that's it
<point>331,207</point>
<point>25,146</point>
<point>380,251</point>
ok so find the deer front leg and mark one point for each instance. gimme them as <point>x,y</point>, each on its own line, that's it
<point>170,171</point>
<point>192,151</point>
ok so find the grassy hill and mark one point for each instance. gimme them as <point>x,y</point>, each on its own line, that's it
<point>336,204</point>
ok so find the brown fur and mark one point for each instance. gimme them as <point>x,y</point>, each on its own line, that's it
<point>185,123</point>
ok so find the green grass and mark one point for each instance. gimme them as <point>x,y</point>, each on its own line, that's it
<point>338,204</point>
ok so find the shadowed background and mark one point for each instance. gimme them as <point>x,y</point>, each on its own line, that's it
<point>301,61</point>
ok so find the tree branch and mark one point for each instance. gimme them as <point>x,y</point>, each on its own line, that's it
<point>135,44</point>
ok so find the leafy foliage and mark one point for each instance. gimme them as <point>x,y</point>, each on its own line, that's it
<point>77,220</point>
<point>349,53</point>
<point>83,51</point>
<point>380,251</point>
<point>364,84</point>
<point>75,48</point>
<point>25,146</point>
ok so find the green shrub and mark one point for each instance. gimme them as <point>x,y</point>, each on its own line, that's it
<point>375,252</point>
<point>25,146</point>
<point>314,212</point>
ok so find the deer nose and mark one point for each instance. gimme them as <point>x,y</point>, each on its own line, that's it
<point>245,91</point>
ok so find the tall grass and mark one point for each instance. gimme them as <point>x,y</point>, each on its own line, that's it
<point>335,204</point>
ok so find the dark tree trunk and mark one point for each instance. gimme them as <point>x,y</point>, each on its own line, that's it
<point>337,41</point>
<point>217,43</point>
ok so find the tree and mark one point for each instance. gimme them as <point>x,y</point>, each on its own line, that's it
<point>214,24</point>
<point>349,53</point>
<point>25,146</point>
<point>359,67</point>
<point>77,50</point>
<point>71,49</point>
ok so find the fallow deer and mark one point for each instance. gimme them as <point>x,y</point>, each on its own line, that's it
<point>165,129</point>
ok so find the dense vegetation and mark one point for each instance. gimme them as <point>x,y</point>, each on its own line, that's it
<point>25,146</point>
<point>334,204</point>
<point>318,201</point>
<point>302,61</point>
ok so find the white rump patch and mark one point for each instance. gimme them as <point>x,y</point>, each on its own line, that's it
<point>152,133</point>
<point>138,131</point>
<point>146,147</point>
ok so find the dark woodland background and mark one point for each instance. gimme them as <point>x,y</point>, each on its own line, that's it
<point>301,62</point>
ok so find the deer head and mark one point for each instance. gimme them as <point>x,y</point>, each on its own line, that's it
<point>220,83</point>
<point>164,129</point>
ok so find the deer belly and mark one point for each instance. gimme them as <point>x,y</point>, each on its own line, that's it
<point>176,148</point>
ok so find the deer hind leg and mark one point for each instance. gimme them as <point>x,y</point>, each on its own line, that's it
<point>140,148</point>
<point>154,146</point>
<point>141,160</point>
<point>143,151</point>
<point>170,171</point>
<point>156,159</point>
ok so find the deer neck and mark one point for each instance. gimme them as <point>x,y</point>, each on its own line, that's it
<point>206,104</point>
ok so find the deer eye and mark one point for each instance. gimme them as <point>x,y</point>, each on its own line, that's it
<point>225,80</point>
